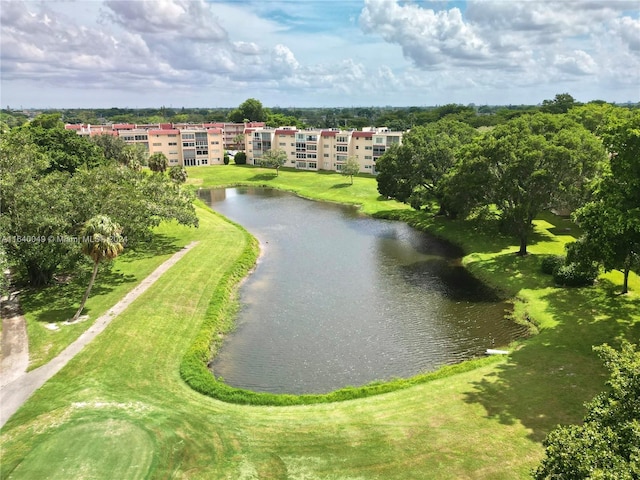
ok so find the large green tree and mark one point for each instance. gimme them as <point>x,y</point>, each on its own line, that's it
<point>35,208</point>
<point>274,158</point>
<point>412,172</point>
<point>42,210</point>
<point>561,103</point>
<point>533,163</point>
<point>607,445</point>
<point>611,220</point>
<point>65,149</point>
<point>101,241</point>
<point>250,110</point>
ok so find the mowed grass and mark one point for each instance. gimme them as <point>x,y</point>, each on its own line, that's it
<point>123,396</point>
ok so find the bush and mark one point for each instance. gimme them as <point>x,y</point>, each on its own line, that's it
<point>551,263</point>
<point>240,158</point>
<point>226,159</point>
<point>575,275</point>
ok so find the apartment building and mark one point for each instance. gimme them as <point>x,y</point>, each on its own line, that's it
<point>321,149</point>
<point>205,144</point>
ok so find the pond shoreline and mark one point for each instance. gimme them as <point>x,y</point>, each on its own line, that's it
<point>204,382</point>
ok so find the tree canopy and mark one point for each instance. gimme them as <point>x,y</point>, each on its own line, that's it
<point>529,164</point>
<point>351,168</point>
<point>44,208</point>
<point>412,172</point>
<point>273,159</point>
<point>607,445</point>
<point>611,220</point>
<point>250,110</point>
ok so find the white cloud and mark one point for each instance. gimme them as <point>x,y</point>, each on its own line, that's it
<point>427,37</point>
<point>578,63</point>
<point>398,53</point>
<point>190,19</point>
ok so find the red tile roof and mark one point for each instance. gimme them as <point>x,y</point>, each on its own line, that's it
<point>172,131</point>
<point>362,135</point>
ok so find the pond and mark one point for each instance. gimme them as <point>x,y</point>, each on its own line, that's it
<point>342,299</point>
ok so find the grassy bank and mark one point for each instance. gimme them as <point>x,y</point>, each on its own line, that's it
<point>120,407</point>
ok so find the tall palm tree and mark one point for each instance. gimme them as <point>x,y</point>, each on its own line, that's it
<point>102,241</point>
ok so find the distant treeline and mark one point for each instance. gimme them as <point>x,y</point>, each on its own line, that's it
<point>395,118</point>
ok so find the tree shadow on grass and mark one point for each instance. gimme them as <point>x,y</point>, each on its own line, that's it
<point>58,302</point>
<point>548,380</point>
<point>158,245</point>
<point>341,185</point>
<point>263,177</point>
<point>478,235</point>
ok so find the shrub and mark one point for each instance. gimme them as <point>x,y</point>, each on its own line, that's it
<point>575,274</point>
<point>550,263</point>
<point>226,159</point>
<point>240,158</point>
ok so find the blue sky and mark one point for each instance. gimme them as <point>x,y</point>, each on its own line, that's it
<point>217,53</point>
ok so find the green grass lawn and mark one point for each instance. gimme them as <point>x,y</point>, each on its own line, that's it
<point>121,410</point>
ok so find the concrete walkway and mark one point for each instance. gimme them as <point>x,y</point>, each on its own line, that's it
<point>17,385</point>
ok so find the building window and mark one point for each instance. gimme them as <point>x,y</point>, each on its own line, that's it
<point>188,144</point>
<point>326,155</point>
<point>341,139</point>
<point>368,147</point>
<point>367,157</point>
<point>173,144</point>
<point>215,142</point>
<point>189,136</point>
<point>312,165</point>
<point>140,137</point>
<point>157,144</point>
<point>342,148</point>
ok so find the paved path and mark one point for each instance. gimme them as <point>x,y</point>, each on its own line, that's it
<point>16,385</point>
<point>14,343</point>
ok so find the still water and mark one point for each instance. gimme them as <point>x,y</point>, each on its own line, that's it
<point>338,298</point>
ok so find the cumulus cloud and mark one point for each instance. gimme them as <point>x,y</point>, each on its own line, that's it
<point>544,39</point>
<point>191,19</point>
<point>399,50</point>
<point>426,36</point>
<point>577,63</point>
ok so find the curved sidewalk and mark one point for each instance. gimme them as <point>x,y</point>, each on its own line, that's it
<point>18,390</point>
